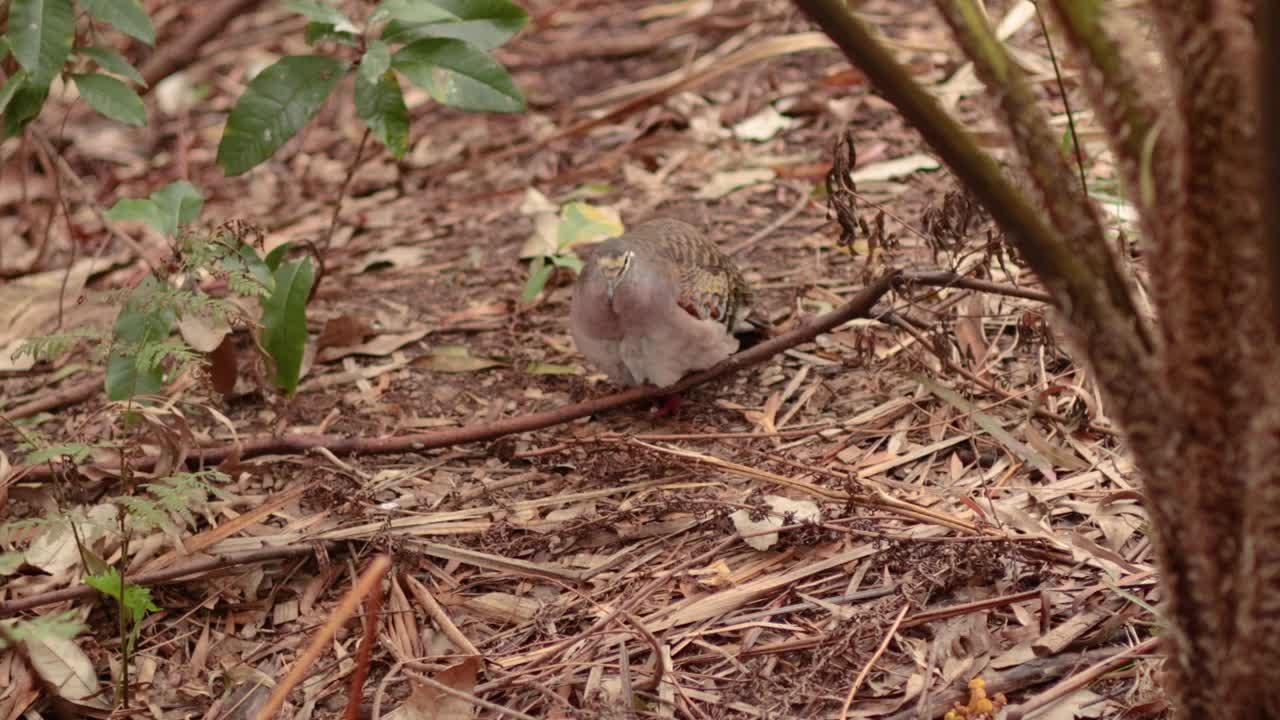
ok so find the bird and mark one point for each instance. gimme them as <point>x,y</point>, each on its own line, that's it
<point>658,302</point>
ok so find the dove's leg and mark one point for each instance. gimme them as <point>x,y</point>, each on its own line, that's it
<point>667,405</point>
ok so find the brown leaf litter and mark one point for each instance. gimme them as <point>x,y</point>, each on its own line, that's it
<point>910,516</point>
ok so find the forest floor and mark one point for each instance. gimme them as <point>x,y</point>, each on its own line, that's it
<point>955,500</point>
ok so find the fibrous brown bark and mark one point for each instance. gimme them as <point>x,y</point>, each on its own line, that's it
<point>1196,397</point>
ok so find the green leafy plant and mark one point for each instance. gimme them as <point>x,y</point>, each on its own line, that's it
<point>42,38</point>
<point>134,601</point>
<point>162,504</point>
<point>140,356</point>
<point>443,48</point>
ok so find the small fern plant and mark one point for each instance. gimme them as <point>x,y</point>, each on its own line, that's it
<point>142,354</point>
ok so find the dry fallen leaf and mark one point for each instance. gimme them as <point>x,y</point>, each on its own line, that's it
<point>379,346</point>
<point>763,125</point>
<point>29,305</point>
<point>204,334</point>
<point>429,703</point>
<point>895,168</point>
<point>406,256</point>
<point>782,511</point>
<point>343,331</point>
<point>723,183</point>
<point>456,359</point>
<point>64,666</point>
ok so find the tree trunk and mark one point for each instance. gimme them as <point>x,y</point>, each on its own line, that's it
<point>1193,387</point>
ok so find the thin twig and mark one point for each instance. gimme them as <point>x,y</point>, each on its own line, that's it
<point>949,279</point>
<point>1066,101</point>
<point>86,196</point>
<point>783,219</point>
<point>862,674</point>
<point>368,583</point>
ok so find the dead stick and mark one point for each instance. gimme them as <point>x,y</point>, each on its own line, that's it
<point>372,610</point>
<point>1032,672</point>
<point>949,279</point>
<point>69,395</point>
<point>1075,682</point>
<point>168,574</point>
<point>369,582</point>
<point>859,306</point>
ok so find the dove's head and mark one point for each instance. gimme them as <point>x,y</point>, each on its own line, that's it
<point>614,263</point>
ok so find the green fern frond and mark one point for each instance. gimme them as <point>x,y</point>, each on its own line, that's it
<point>64,625</point>
<point>150,356</point>
<point>76,453</point>
<point>242,283</point>
<point>27,528</point>
<point>177,494</point>
<point>51,347</point>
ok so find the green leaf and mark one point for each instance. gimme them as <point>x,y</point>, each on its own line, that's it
<point>412,11</point>
<point>40,35</point>
<point>137,599</point>
<point>112,62</point>
<point>567,261</point>
<point>11,88</point>
<point>458,74</point>
<point>381,105</point>
<point>324,32</point>
<point>76,453</point>
<point>112,98</point>
<point>10,562</point>
<point>25,106</point>
<point>582,223</point>
<point>323,15</point>
<point>486,24</point>
<point>541,368</point>
<point>245,261</point>
<point>179,203</point>
<point>539,272</point>
<point>137,325</point>
<point>284,319</point>
<point>275,106</point>
<point>140,209</point>
<point>275,256</point>
<point>375,62</point>
<point>128,16</point>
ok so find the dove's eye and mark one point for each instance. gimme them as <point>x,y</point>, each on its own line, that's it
<point>615,266</point>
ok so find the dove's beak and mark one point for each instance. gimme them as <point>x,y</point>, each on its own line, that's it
<point>610,285</point>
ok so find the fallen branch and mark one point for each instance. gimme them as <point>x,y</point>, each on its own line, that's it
<point>68,395</point>
<point>859,306</point>
<point>169,574</point>
<point>1032,672</point>
<point>1083,679</point>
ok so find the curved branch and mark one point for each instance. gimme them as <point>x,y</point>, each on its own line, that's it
<point>859,306</point>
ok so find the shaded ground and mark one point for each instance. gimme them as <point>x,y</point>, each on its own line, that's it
<point>983,543</point>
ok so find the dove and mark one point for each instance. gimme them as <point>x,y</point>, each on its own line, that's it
<point>656,303</point>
